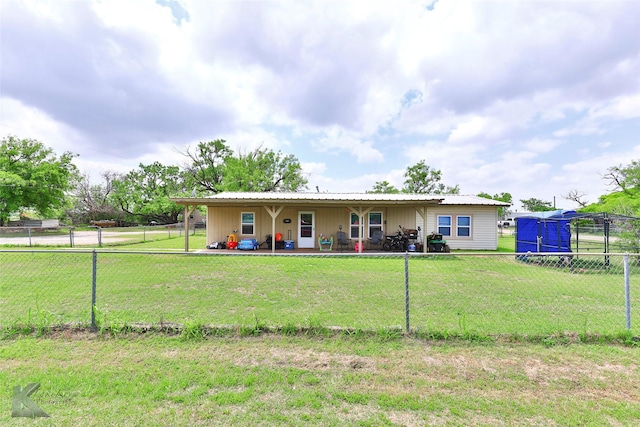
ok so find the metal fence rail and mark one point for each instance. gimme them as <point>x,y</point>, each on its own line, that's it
<point>91,236</point>
<point>443,293</point>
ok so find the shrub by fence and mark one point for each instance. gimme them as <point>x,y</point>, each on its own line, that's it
<point>487,294</point>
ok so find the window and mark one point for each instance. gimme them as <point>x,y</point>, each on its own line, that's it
<point>248,222</point>
<point>306,224</point>
<point>354,223</point>
<point>444,225</point>
<point>463,226</point>
<point>375,222</point>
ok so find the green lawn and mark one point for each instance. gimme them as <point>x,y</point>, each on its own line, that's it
<point>365,373</point>
<point>196,242</point>
<point>462,294</point>
<point>160,380</point>
<point>506,243</point>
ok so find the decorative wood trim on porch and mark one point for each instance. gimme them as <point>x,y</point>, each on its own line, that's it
<point>273,212</point>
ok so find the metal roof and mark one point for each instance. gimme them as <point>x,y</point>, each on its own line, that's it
<point>245,198</point>
<point>460,199</point>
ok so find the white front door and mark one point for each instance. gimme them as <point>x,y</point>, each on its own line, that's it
<point>306,229</point>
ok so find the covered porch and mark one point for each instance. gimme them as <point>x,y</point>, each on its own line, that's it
<point>306,220</point>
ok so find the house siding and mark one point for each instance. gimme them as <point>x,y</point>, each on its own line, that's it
<point>334,209</point>
<point>484,234</point>
<point>221,221</point>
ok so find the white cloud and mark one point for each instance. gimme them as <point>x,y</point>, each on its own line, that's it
<point>336,142</point>
<point>25,121</point>
<point>477,129</point>
<point>620,108</point>
<point>543,145</point>
<point>603,114</point>
<point>498,90</point>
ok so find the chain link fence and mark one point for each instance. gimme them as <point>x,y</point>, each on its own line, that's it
<point>92,236</point>
<point>488,294</point>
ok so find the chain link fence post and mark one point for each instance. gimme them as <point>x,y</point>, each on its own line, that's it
<point>94,290</point>
<point>406,290</point>
<point>627,290</point>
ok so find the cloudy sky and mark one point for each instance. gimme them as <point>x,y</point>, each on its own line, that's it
<point>535,98</point>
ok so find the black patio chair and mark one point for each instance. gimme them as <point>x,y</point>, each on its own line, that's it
<point>342,240</point>
<point>376,239</point>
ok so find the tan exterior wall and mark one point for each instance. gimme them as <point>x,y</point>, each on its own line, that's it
<point>223,221</point>
<point>405,217</point>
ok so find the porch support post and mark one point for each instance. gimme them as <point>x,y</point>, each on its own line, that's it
<point>422,211</point>
<point>185,221</point>
<point>273,211</point>
<point>361,212</point>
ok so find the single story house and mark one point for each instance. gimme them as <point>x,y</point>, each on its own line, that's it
<point>466,222</point>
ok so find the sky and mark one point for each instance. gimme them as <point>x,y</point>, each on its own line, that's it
<point>533,98</point>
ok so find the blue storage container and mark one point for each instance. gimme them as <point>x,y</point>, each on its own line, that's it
<point>288,244</point>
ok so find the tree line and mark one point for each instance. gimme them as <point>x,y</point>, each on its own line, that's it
<point>35,179</point>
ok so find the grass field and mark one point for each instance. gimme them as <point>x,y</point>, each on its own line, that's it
<point>480,294</point>
<point>342,380</point>
<point>367,373</point>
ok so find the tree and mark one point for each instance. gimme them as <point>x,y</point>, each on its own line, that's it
<point>383,187</point>
<point>503,211</point>
<point>625,183</point>
<point>95,201</point>
<point>629,234</point>
<point>536,205</point>
<point>625,178</point>
<point>263,170</point>
<point>214,168</point>
<point>615,202</point>
<point>576,196</point>
<point>206,168</point>
<point>422,179</point>
<point>33,177</point>
<point>144,193</point>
